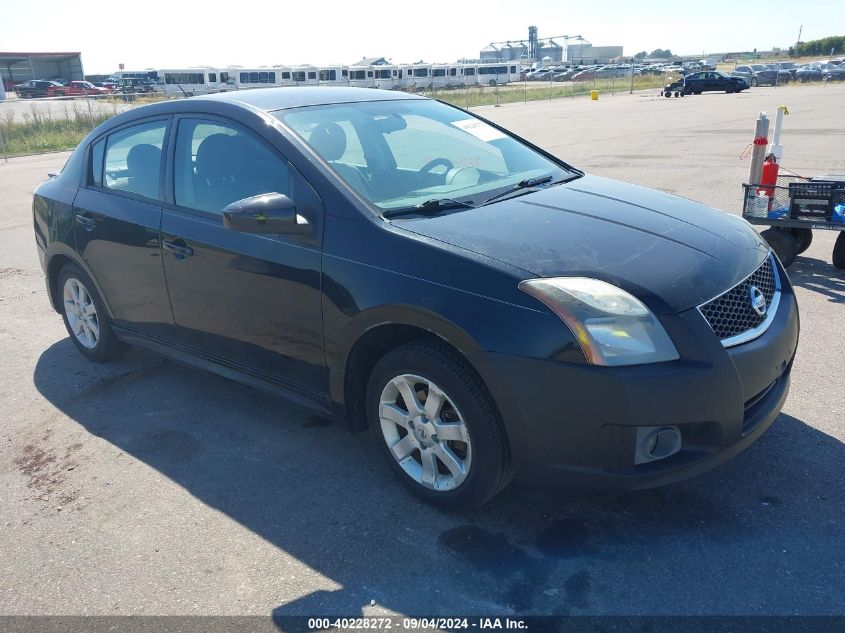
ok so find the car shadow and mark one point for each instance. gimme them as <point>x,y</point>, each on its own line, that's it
<point>818,276</point>
<point>716,544</point>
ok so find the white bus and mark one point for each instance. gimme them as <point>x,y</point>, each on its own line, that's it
<point>187,82</point>
<point>439,73</point>
<point>267,77</point>
<point>497,73</point>
<point>455,76</point>
<point>362,76</point>
<point>305,75</point>
<point>333,75</point>
<point>387,77</point>
<point>417,77</point>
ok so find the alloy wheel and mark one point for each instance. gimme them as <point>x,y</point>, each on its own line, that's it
<point>425,433</point>
<point>81,312</point>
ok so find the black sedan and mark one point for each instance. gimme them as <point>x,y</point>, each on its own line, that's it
<point>709,81</point>
<point>393,262</point>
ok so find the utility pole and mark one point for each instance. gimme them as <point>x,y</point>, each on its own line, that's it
<point>800,28</point>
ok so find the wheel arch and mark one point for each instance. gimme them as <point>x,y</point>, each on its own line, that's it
<point>373,335</point>
<point>55,263</point>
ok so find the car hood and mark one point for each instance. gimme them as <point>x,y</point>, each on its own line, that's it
<point>672,253</point>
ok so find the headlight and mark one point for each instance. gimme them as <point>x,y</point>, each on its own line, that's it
<point>612,326</point>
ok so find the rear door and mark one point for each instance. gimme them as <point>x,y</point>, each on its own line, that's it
<point>117,214</point>
<point>251,301</point>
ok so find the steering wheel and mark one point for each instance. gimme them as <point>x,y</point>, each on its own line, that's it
<point>430,165</point>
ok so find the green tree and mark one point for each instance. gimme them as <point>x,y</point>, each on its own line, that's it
<point>823,46</point>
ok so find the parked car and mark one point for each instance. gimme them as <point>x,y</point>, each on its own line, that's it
<point>566,75</point>
<point>39,88</point>
<point>134,85</point>
<point>756,75</point>
<point>810,72</point>
<point>784,76</point>
<point>712,80</point>
<point>792,67</point>
<point>477,303</point>
<point>84,88</point>
<point>832,72</point>
<point>541,74</point>
<point>585,75</point>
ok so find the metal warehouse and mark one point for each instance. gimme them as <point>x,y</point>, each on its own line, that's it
<point>18,67</point>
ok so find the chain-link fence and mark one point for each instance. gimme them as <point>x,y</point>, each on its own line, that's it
<point>42,116</point>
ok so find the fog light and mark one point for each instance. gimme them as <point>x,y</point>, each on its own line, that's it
<point>656,442</point>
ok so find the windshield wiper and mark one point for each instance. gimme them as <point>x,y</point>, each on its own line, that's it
<point>429,207</point>
<point>528,183</point>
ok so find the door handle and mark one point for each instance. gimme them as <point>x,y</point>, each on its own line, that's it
<point>180,251</point>
<point>87,223</point>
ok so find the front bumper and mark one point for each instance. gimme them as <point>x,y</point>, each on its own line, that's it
<point>576,425</point>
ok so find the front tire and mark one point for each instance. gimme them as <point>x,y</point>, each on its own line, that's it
<point>783,243</point>
<point>433,420</point>
<point>754,82</point>
<point>85,317</point>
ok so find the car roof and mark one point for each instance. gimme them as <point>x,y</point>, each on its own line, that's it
<point>270,99</point>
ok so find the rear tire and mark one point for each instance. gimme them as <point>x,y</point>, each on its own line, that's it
<point>730,89</point>
<point>839,251</point>
<point>783,243</point>
<point>85,316</point>
<point>804,237</point>
<point>461,471</point>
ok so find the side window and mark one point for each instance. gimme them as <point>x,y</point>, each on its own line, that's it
<point>95,163</point>
<point>212,77</point>
<point>133,159</point>
<point>217,164</point>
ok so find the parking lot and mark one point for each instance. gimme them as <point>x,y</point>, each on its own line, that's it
<point>144,487</point>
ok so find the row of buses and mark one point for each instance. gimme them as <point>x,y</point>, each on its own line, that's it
<point>195,81</point>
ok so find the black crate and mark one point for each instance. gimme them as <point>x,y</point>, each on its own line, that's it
<point>811,201</point>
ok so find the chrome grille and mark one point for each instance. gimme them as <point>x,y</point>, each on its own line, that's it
<point>732,316</point>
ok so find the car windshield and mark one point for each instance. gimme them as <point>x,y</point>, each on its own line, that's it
<point>404,153</point>
<point>759,67</point>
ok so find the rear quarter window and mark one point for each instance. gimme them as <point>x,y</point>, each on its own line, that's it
<point>95,163</point>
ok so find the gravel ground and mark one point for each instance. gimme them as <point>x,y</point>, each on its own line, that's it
<point>143,487</point>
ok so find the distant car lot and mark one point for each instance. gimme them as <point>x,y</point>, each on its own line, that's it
<point>148,488</point>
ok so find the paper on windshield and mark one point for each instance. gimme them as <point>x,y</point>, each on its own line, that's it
<point>479,129</point>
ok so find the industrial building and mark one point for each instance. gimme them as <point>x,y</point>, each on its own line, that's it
<point>19,67</point>
<point>549,50</point>
<point>585,53</point>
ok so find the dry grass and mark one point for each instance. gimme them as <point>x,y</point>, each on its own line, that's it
<point>43,130</point>
<point>524,92</point>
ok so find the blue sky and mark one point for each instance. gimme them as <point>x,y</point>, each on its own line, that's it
<point>158,33</point>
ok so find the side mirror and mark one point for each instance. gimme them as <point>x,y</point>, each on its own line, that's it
<point>265,213</point>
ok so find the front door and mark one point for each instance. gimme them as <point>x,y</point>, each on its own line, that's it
<point>251,301</point>
<point>117,215</point>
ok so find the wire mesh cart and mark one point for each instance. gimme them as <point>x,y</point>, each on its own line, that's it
<point>794,208</point>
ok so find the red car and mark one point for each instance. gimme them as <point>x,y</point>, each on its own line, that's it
<point>83,88</point>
